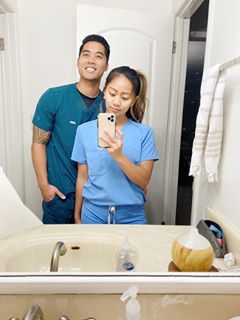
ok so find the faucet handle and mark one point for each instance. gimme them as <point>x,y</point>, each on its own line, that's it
<point>63,317</point>
<point>34,313</point>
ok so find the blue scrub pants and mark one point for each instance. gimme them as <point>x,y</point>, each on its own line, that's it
<point>58,211</point>
<point>132,214</point>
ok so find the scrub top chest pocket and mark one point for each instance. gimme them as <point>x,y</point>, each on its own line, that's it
<point>97,162</point>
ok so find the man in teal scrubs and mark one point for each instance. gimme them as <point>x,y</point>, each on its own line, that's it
<point>58,113</point>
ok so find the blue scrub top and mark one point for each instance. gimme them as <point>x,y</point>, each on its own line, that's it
<point>107,184</point>
<point>61,110</point>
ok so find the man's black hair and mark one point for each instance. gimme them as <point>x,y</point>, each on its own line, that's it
<point>99,39</point>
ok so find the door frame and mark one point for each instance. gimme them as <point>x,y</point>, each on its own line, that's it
<point>2,122</point>
<point>176,101</point>
<point>12,108</point>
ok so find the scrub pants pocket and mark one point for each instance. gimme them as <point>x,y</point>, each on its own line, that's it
<point>132,214</point>
<point>92,214</point>
<point>59,211</point>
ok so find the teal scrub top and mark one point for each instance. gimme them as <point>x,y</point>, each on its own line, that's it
<point>107,184</point>
<point>60,111</point>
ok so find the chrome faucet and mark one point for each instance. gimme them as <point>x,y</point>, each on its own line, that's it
<point>59,250</point>
<point>34,313</point>
<point>66,318</point>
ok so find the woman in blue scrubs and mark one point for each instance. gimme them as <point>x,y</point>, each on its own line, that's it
<point>111,181</point>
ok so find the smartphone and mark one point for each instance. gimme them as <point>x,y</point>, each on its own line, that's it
<point>106,123</point>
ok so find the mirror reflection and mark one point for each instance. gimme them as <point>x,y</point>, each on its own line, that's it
<point>142,39</point>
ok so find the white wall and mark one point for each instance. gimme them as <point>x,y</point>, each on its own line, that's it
<point>47,34</point>
<point>223,44</point>
<point>8,6</point>
<point>176,5</point>
<point>47,58</point>
<point>152,5</point>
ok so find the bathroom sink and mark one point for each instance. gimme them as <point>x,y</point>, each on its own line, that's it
<point>90,248</point>
<point>81,256</point>
<point>86,252</point>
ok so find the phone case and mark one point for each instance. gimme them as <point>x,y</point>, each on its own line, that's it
<point>106,122</point>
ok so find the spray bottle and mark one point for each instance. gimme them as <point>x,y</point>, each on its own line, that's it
<point>133,307</point>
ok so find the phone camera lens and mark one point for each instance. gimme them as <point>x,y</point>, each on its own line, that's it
<point>112,120</point>
<point>112,116</point>
<point>109,118</point>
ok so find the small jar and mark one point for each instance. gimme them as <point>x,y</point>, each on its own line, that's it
<point>192,252</point>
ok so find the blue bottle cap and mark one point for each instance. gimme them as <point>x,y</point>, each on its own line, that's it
<point>128,266</point>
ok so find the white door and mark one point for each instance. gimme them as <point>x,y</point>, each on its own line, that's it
<point>142,40</point>
<point>2,122</point>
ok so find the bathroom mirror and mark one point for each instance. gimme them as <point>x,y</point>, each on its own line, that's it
<point>40,64</point>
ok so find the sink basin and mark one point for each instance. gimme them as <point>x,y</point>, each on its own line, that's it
<point>86,252</point>
<point>81,256</point>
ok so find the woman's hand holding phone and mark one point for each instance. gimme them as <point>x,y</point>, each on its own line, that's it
<point>114,144</point>
<point>106,124</point>
<point>108,136</point>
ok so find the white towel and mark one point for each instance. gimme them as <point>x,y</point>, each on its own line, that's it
<point>209,125</point>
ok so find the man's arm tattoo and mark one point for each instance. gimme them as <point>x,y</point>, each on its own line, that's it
<point>40,136</point>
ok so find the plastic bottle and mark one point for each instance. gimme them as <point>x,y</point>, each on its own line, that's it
<point>133,307</point>
<point>229,260</point>
<point>229,263</point>
<point>126,257</point>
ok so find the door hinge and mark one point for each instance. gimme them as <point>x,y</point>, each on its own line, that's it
<point>174,47</point>
<point>2,44</point>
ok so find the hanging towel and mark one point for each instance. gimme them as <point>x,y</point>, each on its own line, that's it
<point>209,125</point>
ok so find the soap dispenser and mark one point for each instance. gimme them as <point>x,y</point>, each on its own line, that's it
<point>126,257</point>
<point>133,307</point>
